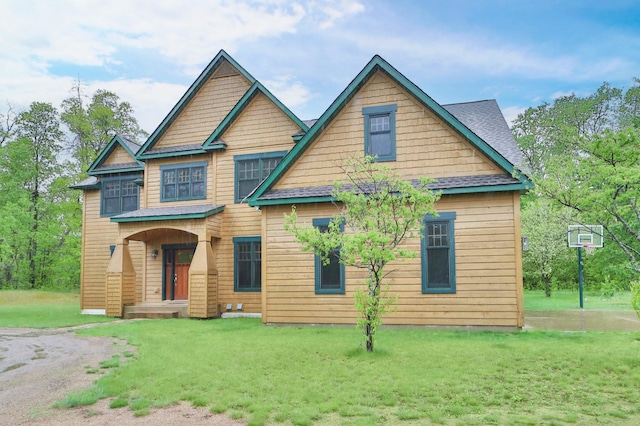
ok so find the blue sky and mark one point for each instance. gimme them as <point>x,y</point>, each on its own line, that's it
<point>520,53</point>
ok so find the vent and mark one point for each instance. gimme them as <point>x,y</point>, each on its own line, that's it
<point>225,70</point>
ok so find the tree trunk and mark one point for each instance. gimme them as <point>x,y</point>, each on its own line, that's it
<point>547,285</point>
<point>369,339</point>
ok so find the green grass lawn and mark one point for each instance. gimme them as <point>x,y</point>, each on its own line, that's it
<point>567,299</point>
<point>43,309</point>
<point>322,375</point>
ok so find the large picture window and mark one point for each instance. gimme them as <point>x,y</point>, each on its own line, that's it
<point>183,182</point>
<point>380,132</point>
<point>438,254</point>
<point>118,195</point>
<point>252,169</point>
<point>247,252</point>
<point>329,276</point>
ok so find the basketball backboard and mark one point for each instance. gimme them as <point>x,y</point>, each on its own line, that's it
<point>585,235</point>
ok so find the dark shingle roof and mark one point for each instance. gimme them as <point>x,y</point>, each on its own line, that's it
<point>485,119</point>
<point>116,167</point>
<point>132,145</point>
<point>446,183</point>
<point>162,213</point>
<point>88,183</point>
<point>179,148</point>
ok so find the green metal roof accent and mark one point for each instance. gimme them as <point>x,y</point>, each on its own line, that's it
<point>172,154</point>
<point>254,90</point>
<point>379,64</point>
<point>190,93</point>
<point>178,213</point>
<point>106,152</point>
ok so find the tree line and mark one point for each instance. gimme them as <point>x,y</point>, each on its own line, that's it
<point>44,150</point>
<point>583,154</point>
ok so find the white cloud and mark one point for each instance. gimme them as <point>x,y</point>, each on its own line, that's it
<point>511,113</point>
<point>290,92</point>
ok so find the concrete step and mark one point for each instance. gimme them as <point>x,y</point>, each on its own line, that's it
<point>153,312</point>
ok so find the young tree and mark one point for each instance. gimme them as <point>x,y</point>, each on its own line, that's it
<point>94,124</point>
<point>380,210</point>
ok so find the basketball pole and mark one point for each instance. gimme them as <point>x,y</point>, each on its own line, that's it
<point>580,277</point>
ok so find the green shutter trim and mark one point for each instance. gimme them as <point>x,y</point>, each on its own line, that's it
<point>377,63</point>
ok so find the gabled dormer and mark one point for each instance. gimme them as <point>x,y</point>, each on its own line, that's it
<point>200,110</point>
<point>119,156</point>
<point>382,113</point>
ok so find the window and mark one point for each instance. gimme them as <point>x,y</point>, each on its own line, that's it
<point>119,195</point>
<point>183,182</point>
<point>247,253</point>
<point>438,254</point>
<point>329,278</point>
<point>380,132</point>
<point>252,169</point>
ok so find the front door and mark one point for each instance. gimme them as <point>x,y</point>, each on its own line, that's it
<point>176,272</point>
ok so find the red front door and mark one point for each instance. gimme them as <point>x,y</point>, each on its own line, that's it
<point>177,262</point>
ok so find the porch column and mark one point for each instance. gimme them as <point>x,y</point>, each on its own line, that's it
<point>203,282</point>
<point>121,280</point>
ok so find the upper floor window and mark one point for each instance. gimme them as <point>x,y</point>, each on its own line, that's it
<point>329,273</point>
<point>438,254</point>
<point>118,195</point>
<point>380,132</point>
<point>252,169</point>
<point>183,181</point>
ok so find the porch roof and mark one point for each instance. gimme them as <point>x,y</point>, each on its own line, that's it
<point>198,211</point>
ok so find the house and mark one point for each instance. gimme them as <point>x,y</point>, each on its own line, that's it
<point>195,214</point>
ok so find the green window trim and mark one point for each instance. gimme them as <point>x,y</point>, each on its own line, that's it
<point>438,254</point>
<point>247,264</point>
<point>322,273</point>
<point>184,181</point>
<point>380,132</point>
<point>118,194</point>
<point>251,170</point>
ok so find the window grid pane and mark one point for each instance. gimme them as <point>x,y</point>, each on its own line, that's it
<point>183,183</point>
<point>438,253</point>
<point>248,265</point>
<point>119,196</point>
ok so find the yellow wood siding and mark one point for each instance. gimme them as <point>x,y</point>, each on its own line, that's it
<point>488,290</point>
<point>118,156</point>
<point>261,128</point>
<point>99,233</point>
<point>425,145</point>
<point>205,111</point>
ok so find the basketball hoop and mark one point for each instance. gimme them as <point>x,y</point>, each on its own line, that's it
<point>589,248</point>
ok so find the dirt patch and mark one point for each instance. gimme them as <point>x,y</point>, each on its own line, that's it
<point>40,367</point>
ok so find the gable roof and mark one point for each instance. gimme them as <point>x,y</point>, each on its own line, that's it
<point>97,167</point>
<point>485,119</point>
<point>379,64</point>
<point>214,142</point>
<point>195,87</point>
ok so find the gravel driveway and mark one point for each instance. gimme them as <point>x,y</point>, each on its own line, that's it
<point>40,367</point>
